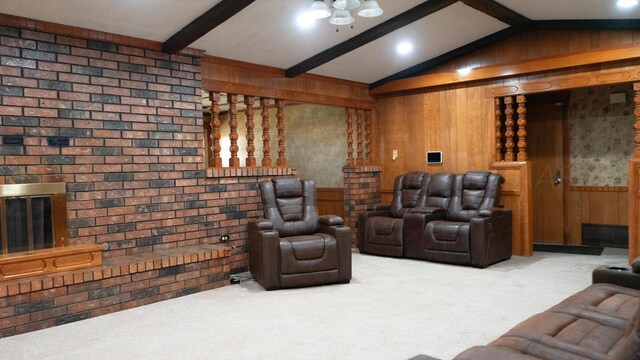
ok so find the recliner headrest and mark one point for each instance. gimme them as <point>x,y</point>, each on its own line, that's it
<point>475,180</point>
<point>287,186</point>
<point>412,180</point>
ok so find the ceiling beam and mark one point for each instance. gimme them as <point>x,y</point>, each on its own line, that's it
<point>376,32</point>
<point>206,22</point>
<point>610,24</point>
<point>423,67</point>
<point>497,11</point>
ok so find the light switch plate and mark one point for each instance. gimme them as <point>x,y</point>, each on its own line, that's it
<point>394,154</point>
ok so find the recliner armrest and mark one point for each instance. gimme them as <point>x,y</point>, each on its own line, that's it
<point>261,224</point>
<point>427,210</point>
<point>490,211</point>
<point>635,266</point>
<point>331,220</point>
<point>622,276</point>
<point>378,207</point>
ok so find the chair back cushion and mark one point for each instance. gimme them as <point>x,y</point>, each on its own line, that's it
<point>409,191</point>
<point>472,192</point>
<point>290,203</point>
<point>440,190</point>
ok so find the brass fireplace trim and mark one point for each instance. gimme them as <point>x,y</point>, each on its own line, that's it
<point>8,190</point>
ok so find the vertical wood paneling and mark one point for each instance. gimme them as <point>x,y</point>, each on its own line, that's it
<point>330,201</point>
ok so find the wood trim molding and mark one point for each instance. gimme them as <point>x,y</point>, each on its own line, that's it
<point>416,13</point>
<point>236,88</point>
<point>517,69</point>
<point>48,261</point>
<point>206,22</point>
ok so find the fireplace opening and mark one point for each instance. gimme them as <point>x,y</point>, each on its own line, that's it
<point>32,217</point>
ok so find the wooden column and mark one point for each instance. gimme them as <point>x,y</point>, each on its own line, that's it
<point>522,127</point>
<point>367,136</point>
<point>266,138</point>
<point>636,125</point>
<point>248,102</point>
<point>350,136</point>
<point>282,160</point>
<point>359,133</point>
<point>498,125</point>
<point>216,160</point>
<point>232,99</point>
<point>509,156</point>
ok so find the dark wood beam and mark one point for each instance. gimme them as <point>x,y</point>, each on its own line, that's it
<point>203,24</point>
<point>376,32</point>
<point>604,24</point>
<point>497,11</point>
<point>455,53</point>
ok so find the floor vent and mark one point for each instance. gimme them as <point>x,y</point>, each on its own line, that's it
<point>605,235</point>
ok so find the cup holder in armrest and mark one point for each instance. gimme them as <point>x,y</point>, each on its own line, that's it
<point>618,268</point>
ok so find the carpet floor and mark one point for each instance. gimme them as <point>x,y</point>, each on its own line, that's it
<point>392,309</point>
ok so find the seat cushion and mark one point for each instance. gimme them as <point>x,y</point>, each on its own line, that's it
<point>447,236</point>
<point>384,230</point>
<point>308,253</point>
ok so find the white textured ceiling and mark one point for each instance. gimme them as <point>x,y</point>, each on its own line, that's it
<point>570,9</point>
<point>266,33</point>
<point>379,58</point>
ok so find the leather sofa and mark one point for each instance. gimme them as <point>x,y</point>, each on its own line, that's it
<point>442,217</point>
<point>599,322</point>
<point>380,228</point>
<point>293,246</point>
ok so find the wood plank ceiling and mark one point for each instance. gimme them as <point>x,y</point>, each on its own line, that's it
<point>265,32</point>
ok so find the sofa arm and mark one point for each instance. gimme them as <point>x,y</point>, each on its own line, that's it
<point>378,207</point>
<point>413,230</point>
<point>617,275</point>
<point>361,224</point>
<point>342,234</point>
<point>263,246</point>
<point>491,237</point>
<point>427,210</point>
<point>488,212</point>
<point>635,266</point>
<point>331,220</point>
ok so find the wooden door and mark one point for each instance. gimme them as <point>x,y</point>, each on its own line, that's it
<point>545,151</point>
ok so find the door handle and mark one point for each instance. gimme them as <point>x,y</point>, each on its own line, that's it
<point>558,178</point>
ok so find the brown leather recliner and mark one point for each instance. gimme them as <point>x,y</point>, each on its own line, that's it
<point>380,228</point>
<point>474,231</point>
<point>294,246</point>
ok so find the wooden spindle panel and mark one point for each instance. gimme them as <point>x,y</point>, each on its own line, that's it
<point>367,136</point>
<point>232,99</point>
<point>266,138</point>
<point>249,101</point>
<point>636,125</point>
<point>349,112</point>
<point>282,160</point>
<point>498,125</point>
<point>216,160</point>
<point>359,134</point>
<point>509,145</point>
<point>522,127</point>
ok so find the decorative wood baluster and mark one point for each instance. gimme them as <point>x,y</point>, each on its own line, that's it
<point>508,156</point>
<point>266,138</point>
<point>522,127</point>
<point>282,161</point>
<point>367,136</point>
<point>232,99</point>
<point>498,124</point>
<point>636,125</point>
<point>215,129</point>
<point>349,136</point>
<point>248,102</point>
<point>359,132</point>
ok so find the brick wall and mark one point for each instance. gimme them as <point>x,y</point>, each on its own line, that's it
<point>361,187</point>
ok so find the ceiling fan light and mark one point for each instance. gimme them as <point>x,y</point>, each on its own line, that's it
<point>353,4</point>
<point>319,9</point>
<point>370,8</point>
<point>340,4</point>
<point>341,17</point>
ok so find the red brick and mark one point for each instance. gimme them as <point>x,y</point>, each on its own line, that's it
<point>10,110</point>
<point>41,112</point>
<point>19,101</point>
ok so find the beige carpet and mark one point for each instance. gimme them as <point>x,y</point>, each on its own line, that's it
<point>393,309</point>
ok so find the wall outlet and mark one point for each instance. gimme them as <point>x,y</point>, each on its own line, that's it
<point>224,238</point>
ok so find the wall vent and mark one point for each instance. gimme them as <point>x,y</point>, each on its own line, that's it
<point>605,235</point>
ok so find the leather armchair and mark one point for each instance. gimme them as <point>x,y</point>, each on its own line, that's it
<point>380,228</point>
<point>473,231</point>
<point>294,246</point>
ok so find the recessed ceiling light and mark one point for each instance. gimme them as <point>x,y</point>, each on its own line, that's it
<point>404,48</point>
<point>627,3</point>
<point>305,20</point>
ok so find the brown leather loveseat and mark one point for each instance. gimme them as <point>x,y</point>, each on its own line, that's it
<point>600,322</point>
<point>294,246</point>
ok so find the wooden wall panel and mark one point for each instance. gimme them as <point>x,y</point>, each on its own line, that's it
<point>330,201</point>
<point>634,209</point>
<point>597,205</point>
